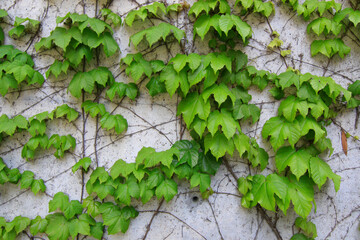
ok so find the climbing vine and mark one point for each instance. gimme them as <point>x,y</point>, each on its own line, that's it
<point>214,103</point>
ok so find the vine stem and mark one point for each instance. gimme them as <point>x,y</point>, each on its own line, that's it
<point>258,208</point>
<point>148,227</point>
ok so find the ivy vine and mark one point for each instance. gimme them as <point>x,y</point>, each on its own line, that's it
<point>214,104</point>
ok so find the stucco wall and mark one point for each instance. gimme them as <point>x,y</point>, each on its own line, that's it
<point>153,122</point>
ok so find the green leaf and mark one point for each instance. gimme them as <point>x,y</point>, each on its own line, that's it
<point>173,80</point>
<point>167,189</point>
<point>307,124</point>
<point>289,108</point>
<point>155,86</point>
<point>93,108</point>
<point>298,161</point>
<point>117,121</point>
<point>221,93</point>
<point>71,114</point>
<point>156,33</point>
<point>244,111</point>
<point>97,230</point>
<point>189,152</point>
<point>218,145</point>
<point>73,208</point>
<point>288,78</point>
<point>121,89</point>
<point>307,226</point>
<point>99,173</point>
<point>109,43</point>
<point>354,88</point>
<point>193,105</point>
<point>93,207</point>
<point>38,225</point>
<point>109,15</point>
<point>275,43</point>
<point>7,81</point>
<point>17,31</point>
<point>299,236</point>
<point>81,81</point>
<point>225,120</point>
<point>122,168</point>
<point>58,227</point>
<point>279,130</point>
<point>59,201</point>
<point>95,24</point>
<point>20,71</point>
<point>3,13</point>
<point>26,180</point>
<point>38,185</point>
<point>57,67</point>
<point>115,221</point>
<point>320,171</point>
<point>329,47</point>
<point>301,194</point>
<point>19,224</point>
<point>202,180</point>
<point>84,163</point>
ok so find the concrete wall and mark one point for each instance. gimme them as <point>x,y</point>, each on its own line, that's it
<point>153,122</point>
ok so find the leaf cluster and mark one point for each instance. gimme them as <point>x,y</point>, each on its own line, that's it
<point>25,179</point>
<point>20,28</point>
<point>257,6</point>
<point>107,121</point>
<point>16,67</point>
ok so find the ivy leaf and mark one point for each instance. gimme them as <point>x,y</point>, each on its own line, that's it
<point>193,105</point>
<point>38,185</point>
<point>221,93</point>
<point>7,81</point>
<point>58,227</point>
<point>117,121</point>
<point>208,164</point>
<point>301,194</point>
<point>57,67</point>
<point>155,86</point>
<point>20,71</point>
<point>93,207</point>
<point>225,120</point>
<point>84,163</point>
<point>289,108</point>
<point>109,43</point>
<point>307,226</point>
<point>76,55</point>
<point>95,24</point>
<point>218,145</point>
<point>38,225</point>
<point>244,111</point>
<point>298,161</point>
<point>81,81</point>
<point>354,88</point>
<point>26,180</point>
<point>73,208</point>
<point>122,168</point>
<point>19,224</point>
<point>155,33</point>
<point>93,108</point>
<point>320,171</point>
<point>173,80</point>
<point>204,23</point>
<point>59,201</point>
<point>121,89</point>
<point>189,152</point>
<point>279,129</point>
<point>167,189</point>
<point>329,47</point>
<point>97,230</point>
<point>81,225</point>
<point>17,31</point>
<point>113,17</point>
<point>288,78</point>
<point>200,179</point>
<point>299,236</point>
<point>71,114</point>
<point>307,124</point>
<point>99,173</point>
<point>115,221</point>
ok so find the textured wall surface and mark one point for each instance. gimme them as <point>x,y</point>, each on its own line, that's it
<point>153,122</point>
